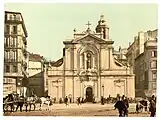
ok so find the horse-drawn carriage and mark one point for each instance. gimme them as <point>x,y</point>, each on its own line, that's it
<point>13,101</point>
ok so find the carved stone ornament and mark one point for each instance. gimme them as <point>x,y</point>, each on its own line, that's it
<point>88,76</point>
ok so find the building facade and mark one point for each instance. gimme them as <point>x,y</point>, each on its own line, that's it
<point>15,54</point>
<point>36,75</point>
<point>88,68</point>
<point>142,55</point>
<point>146,69</point>
<point>137,47</point>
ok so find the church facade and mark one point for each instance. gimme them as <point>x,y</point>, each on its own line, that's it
<point>88,68</point>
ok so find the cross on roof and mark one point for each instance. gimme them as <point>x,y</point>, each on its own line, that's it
<point>88,24</point>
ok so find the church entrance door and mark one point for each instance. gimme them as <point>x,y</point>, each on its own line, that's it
<point>89,94</point>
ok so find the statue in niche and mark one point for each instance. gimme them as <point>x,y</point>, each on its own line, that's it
<point>88,60</point>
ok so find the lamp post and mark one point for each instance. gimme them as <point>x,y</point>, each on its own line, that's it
<point>103,89</point>
<point>42,77</point>
<point>126,81</point>
<point>57,91</point>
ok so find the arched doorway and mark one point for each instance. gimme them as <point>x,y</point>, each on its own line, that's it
<point>89,94</point>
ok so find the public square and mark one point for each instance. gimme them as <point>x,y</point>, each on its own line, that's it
<point>87,109</point>
<point>96,54</point>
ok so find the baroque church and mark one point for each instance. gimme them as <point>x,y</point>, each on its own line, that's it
<point>88,68</point>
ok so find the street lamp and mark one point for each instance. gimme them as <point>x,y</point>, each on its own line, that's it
<point>103,89</point>
<point>126,80</point>
<point>57,91</point>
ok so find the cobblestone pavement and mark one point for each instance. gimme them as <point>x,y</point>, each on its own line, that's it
<point>81,110</point>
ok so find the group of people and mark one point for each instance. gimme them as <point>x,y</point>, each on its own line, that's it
<point>122,105</point>
<point>80,100</point>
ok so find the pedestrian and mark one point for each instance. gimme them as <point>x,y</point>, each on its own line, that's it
<point>54,99</point>
<point>152,107</point>
<point>120,106</point>
<point>126,103</point>
<point>66,101</point>
<point>102,100</point>
<point>78,101</point>
<point>60,100</point>
<point>70,100</point>
<point>82,101</point>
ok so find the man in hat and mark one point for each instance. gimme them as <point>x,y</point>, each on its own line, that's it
<point>152,108</point>
<point>126,103</point>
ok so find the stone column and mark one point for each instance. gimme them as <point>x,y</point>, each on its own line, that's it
<point>81,61</point>
<point>93,62</point>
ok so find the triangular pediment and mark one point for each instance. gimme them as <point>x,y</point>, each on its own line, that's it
<point>89,38</point>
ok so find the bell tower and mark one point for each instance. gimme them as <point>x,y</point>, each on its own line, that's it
<point>103,28</point>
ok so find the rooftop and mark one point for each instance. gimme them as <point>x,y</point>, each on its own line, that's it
<point>35,57</point>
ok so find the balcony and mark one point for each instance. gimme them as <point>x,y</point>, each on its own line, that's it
<point>13,18</point>
<point>19,74</point>
<point>10,60</point>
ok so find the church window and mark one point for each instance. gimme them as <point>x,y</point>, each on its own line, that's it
<point>14,29</point>
<point>153,64</point>
<point>153,53</point>
<point>7,68</point>
<point>154,75</point>
<point>104,34</point>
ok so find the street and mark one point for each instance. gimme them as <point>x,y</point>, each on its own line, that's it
<point>87,109</point>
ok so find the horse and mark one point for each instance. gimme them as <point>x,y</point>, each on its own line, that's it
<point>9,101</point>
<point>139,107</point>
<point>5,105</point>
<point>44,100</point>
<point>142,105</point>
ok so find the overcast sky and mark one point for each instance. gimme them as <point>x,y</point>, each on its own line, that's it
<point>48,25</point>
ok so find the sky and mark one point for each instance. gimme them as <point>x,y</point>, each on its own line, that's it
<point>49,24</point>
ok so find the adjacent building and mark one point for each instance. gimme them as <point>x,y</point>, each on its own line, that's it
<point>15,54</point>
<point>142,55</point>
<point>120,55</point>
<point>36,75</point>
<point>89,69</point>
